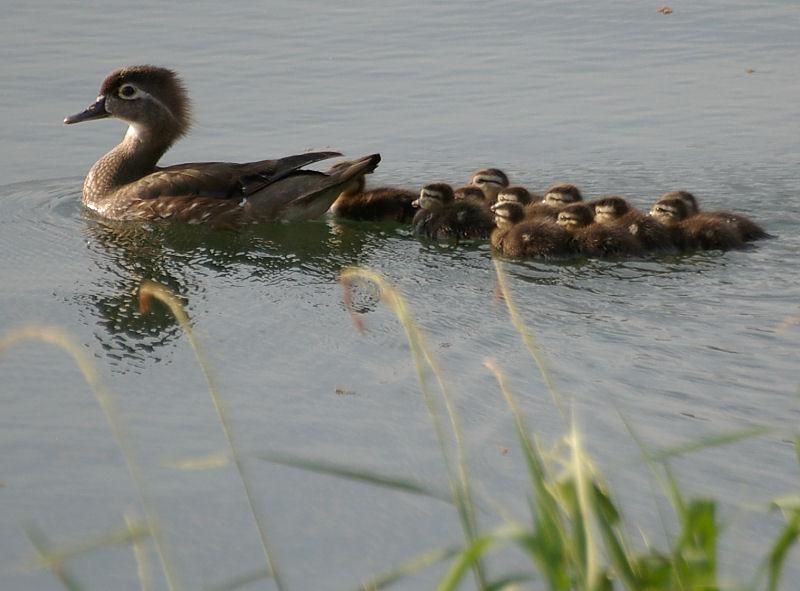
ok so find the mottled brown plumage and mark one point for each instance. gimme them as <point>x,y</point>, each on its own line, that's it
<point>442,217</point>
<point>596,240</point>
<point>694,231</point>
<point>380,204</point>
<point>517,193</point>
<point>747,228</point>
<point>616,211</point>
<point>126,183</point>
<point>516,236</point>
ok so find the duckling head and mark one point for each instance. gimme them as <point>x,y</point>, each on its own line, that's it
<point>608,209</point>
<point>562,194</point>
<point>434,196</point>
<point>490,180</point>
<point>151,99</point>
<point>575,216</point>
<point>469,192</point>
<point>507,213</point>
<point>670,211</point>
<point>685,196</point>
<point>517,194</point>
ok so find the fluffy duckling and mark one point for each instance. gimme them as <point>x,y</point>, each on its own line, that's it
<point>748,229</point>
<point>694,231</point>
<point>616,211</point>
<point>598,240</point>
<point>381,204</point>
<point>516,236</point>
<point>517,194</point>
<point>554,200</point>
<point>441,216</point>
<point>490,181</point>
<point>127,183</point>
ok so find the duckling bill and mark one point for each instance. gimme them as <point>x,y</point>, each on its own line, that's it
<point>127,182</point>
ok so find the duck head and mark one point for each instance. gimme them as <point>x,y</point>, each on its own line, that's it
<point>507,213</point>
<point>670,211</point>
<point>490,181</point>
<point>562,194</point>
<point>575,216</point>
<point>434,196</point>
<point>685,196</point>
<point>608,209</point>
<point>151,99</point>
<point>517,194</point>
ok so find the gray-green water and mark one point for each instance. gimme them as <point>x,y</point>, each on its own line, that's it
<point>616,98</point>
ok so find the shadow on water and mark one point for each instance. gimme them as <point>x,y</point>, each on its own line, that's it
<point>189,258</point>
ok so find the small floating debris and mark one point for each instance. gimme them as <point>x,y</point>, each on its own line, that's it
<point>345,392</point>
<point>749,71</point>
<point>664,10</point>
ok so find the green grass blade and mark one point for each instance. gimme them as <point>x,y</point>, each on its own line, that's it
<point>364,475</point>
<point>780,549</point>
<point>708,441</point>
<point>59,569</point>
<point>151,290</point>
<point>411,567</point>
<point>107,402</point>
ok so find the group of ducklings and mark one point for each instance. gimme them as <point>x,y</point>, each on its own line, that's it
<point>520,223</point>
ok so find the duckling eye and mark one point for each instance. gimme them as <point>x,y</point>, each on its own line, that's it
<point>128,91</point>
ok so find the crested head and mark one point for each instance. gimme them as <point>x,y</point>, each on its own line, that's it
<point>562,193</point>
<point>670,211</point>
<point>608,209</point>
<point>516,193</point>
<point>149,98</point>
<point>686,197</point>
<point>575,216</point>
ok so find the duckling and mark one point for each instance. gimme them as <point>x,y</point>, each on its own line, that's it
<point>127,184</point>
<point>490,181</point>
<point>441,216</point>
<point>748,229</point>
<point>554,200</point>
<point>517,194</point>
<point>650,234</point>
<point>596,239</point>
<point>472,192</point>
<point>694,231</point>
<point>516,236</point>
<point>383,203</point>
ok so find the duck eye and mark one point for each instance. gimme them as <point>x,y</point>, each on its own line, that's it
<point>128,91</point>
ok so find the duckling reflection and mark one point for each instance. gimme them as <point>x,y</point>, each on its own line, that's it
<point>747,228</point>
<point>517,236</point>
<point>490,181</point>
<point>693,231</point>
<point>596,240</point>
<point>442,217</point>
<point>616,211</point>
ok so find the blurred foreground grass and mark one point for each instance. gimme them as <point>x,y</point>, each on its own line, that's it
<point>574,540</point>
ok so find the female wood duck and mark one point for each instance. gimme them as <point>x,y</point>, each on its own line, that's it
<point>747,228</point>
<point>593,239</point>
<point>442,217</point>
<point>517,236</point>
<point>127,184</point>
<point>616,211</point>
<point>695,231</point>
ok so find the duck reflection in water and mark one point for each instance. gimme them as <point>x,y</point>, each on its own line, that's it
<point>183,257</point>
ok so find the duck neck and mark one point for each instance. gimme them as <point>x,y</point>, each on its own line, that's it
<point>133,158</point>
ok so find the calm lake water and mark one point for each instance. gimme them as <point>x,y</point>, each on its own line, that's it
<point>614,97</point>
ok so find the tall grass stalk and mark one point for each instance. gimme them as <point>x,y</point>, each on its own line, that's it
<point>143,571</point>
<point>151,289</point>
<point>528,339</point>
<point>59,338</point>
<point>458,474</point>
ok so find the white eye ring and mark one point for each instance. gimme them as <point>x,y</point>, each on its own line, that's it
<point>129,92</point>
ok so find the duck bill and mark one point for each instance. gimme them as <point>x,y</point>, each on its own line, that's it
<point>97,110</point>
<point>415,204</point>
